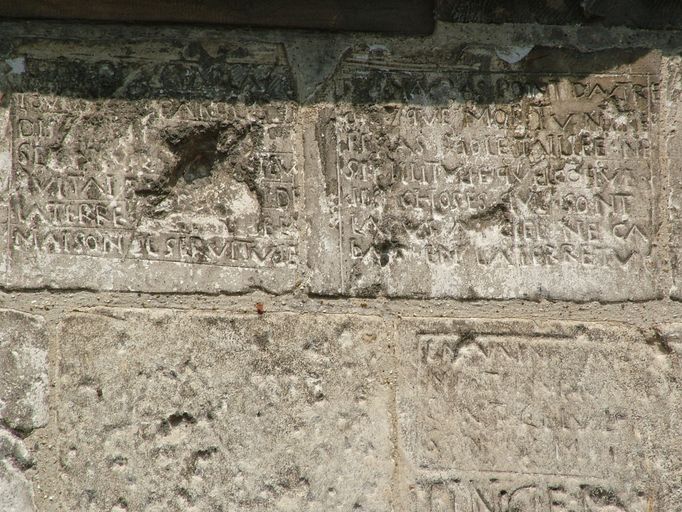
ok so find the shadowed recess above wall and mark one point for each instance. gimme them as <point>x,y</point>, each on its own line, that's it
<point>630,13</point>
<point>399,16</point>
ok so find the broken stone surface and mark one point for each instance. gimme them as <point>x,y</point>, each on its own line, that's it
<point>515,415</point>
<point>23,402</point>
<point>23,371</point>
<point>464,174</point>
<point>16,491</point>
<point>168,411</point>
<point>16,494</point>
<point>194,188</point>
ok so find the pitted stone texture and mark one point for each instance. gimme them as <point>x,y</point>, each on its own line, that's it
<point>174,169</point>
<point>174,411</point>
<point>521,415</point>
<point>455,173</point>
<point>16,493</point>
<point>23,371</point>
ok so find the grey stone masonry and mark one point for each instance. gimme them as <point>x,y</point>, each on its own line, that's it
<point>261,270</point>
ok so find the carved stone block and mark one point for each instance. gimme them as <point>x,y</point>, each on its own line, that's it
<point>184,177</point>
<point>506,415</point>
<point>468,174</point>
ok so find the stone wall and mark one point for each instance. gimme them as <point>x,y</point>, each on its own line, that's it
<point>262,270</point>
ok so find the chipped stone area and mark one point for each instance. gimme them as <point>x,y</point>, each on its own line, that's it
<point>166,411</point>
<point>23,372</point>
<point>196,191</point>
<point>190,195</point>
<point>16,494</point>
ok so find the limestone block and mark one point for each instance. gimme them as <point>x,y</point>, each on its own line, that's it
<point>502,415</point>
<point>23,403</point>
<point>471,172</point>
<point>671,144</point>
<point>177,411</point>
<point>23,371</point>
<point>16,493</point>
<point>174,168</point>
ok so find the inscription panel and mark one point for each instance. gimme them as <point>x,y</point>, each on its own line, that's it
<point>477,178</point>
<point>121,190</point>
<point>177,192</point>
<point>497,414</point>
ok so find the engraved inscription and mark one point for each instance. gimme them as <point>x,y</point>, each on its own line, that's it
<point>529,495</point>
<point>499,416</point>
<point>501,402</point>
<point>519,178</point>
<point>203,183</point>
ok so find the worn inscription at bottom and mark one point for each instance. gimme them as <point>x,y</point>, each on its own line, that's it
<point>508,416</point>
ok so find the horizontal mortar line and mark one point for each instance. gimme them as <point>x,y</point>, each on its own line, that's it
<point>431,473</point>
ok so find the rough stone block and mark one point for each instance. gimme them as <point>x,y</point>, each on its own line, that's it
<point>503,415</point>
<point>23,372</point>
<point>175,411</point>
<point>475,173</point>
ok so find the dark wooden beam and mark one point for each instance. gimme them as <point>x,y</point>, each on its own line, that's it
<point>396,16</point>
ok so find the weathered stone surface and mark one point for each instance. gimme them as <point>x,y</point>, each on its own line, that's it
<point>23,371</point>
<point>175,411</point>
<point>671,141</point>
<point>190,183</point>
<point>321,169</point>
<point>468,174</point>
<point>16,494</point>
<point>506,415</point>
<point>23,402</point>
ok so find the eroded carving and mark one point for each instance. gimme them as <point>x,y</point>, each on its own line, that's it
<point>498,413</point>
<point>491,180</point>
<point>164,181</point>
